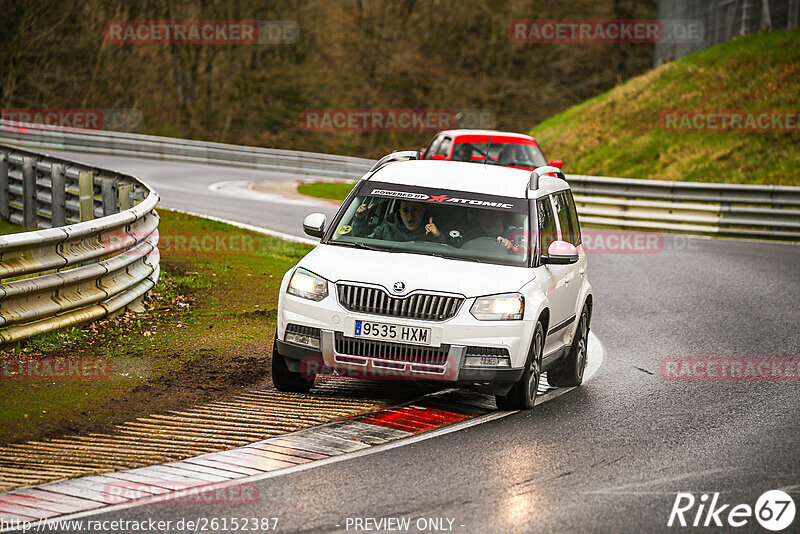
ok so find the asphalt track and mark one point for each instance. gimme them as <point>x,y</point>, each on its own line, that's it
<point>610,456</point>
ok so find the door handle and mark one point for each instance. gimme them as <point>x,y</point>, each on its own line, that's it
<point>581,271</point>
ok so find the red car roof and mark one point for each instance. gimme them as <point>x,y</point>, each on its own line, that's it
<point>484,138</point>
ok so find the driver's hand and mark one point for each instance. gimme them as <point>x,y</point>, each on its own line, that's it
<point>430,228</point>
<point>510,246</point>
<point>364,210</point>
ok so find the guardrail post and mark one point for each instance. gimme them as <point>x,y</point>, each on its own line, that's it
<point>86,195</point>
<point>137,305</point>
<point>108,190</point>
<point>135,197</point>
<point>125,191</point>
<point>58,195</point>
<point>4,210</point>
<point>28,192</point>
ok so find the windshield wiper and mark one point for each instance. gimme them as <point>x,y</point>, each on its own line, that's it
<point>466,258</point>
<point>359,244</point>
<point>440,255</point>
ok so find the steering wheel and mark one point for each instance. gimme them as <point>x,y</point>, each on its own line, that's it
<point>488,245</point>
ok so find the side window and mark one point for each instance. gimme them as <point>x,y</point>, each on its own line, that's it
<point>547,224</point>
<point>562,213</point>
<point>431,150</point>
<point>538,157</point>
<point>444,147</point>
<point>573,221</point>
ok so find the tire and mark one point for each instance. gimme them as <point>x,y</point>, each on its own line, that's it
<point>283,378</point>
<point>570,372</point>
<point>523,394</point>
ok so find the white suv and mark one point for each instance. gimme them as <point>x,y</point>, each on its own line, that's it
<point>467,274</point>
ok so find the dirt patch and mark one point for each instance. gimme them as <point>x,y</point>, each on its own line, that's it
<point>170,380</point>
<point>286,189</point>
<point>207,335</point>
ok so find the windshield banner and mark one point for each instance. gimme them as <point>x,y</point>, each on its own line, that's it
<point>444,196</point>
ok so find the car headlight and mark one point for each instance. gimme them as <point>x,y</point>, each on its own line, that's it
<point>506,307</point>
<point>307,285</point>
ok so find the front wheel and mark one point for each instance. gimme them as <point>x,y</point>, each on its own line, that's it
<point>570,371</point>
<point>285,379</point>
<point>523,394</point>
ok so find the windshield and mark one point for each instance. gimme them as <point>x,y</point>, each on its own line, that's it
<point>505,154</point>
<point>450,224</point>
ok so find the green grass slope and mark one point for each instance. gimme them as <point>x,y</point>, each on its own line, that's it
<point>619,134</point>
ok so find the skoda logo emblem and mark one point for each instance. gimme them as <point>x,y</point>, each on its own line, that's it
<point>399,287</point>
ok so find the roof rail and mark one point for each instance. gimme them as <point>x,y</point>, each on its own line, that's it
<point>541,171</point>
<point>402,155</point>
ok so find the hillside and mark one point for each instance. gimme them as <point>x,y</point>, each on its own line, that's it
<point>620,132</point>
<point>380,54</point>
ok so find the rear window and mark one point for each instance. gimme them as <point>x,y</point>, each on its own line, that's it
<point>574,225</point>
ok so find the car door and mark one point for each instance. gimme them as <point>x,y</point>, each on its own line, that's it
<point>554,277</point>
<point>431,150</point>
<point>444,147</point>
<point>573,273</point>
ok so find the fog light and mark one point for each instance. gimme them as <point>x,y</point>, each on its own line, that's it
<point>302,339</point>
<point>487,361</point>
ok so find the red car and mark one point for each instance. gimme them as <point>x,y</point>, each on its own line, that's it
<point>504,148</point>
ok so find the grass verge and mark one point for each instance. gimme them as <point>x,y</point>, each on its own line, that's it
<point>8,228</point>
<point>327,190</point>
<point>619,132</point>
<point>207,334</point>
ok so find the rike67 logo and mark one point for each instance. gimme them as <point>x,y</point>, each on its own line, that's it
<point>774,510</point>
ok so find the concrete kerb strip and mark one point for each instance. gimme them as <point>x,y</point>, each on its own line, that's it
<point>305,449</point>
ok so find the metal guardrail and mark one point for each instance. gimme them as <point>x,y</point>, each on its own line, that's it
<point>166,148</point>
<point>758,211</point>
<point>76,268</point>
<point>765,212</point>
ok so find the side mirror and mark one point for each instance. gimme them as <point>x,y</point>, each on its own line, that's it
<point>560,253</point>
<point>555,163</point>
<point>314,224</point>
<point>438,156</point>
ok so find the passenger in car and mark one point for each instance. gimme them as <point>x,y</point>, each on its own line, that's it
<point>463,153</point>
<point>492,223</point>
<point>510,155</point>
<point>408,224</point>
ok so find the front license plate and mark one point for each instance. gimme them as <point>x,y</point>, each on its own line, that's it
<point>392,332</point>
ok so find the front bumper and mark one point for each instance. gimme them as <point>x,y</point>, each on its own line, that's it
<point>457,333</point>
<point>309,362</point>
